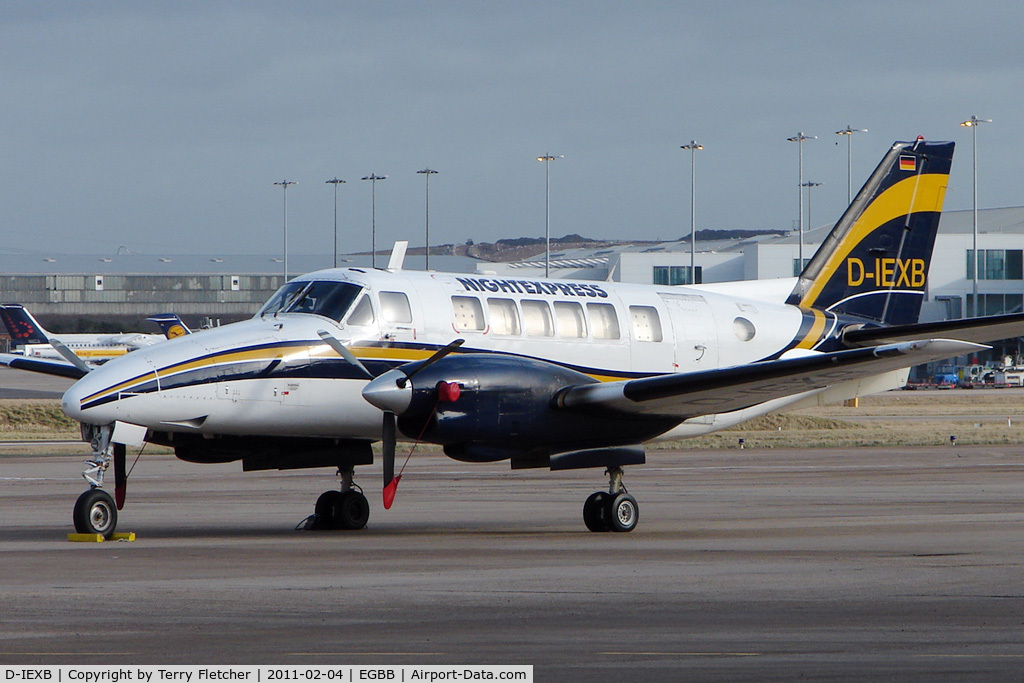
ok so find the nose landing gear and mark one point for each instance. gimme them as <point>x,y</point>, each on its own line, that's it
<point>95,510</point>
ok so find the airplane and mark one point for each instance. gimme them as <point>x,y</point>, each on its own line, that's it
<point>35,342</point>
<point>170,324</point>
<point>553,374</point>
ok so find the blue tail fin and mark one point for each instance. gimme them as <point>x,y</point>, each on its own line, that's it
<point>170,324</point>
<point>22,327</point>
<point>874,263</point>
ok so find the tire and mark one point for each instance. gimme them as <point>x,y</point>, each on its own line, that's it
<point>623,513</point>
<point>353,511</point>
<point>326,510</point>
<point>595,512</point>
<point>95,513</point>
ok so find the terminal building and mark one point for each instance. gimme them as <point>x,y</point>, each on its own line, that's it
<point>950,280</point>
<point>66,292</point>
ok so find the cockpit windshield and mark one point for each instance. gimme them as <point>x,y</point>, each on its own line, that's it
<point>329,299</point>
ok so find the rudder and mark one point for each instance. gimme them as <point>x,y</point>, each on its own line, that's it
<point>22,327</point>
<point>874,263</point>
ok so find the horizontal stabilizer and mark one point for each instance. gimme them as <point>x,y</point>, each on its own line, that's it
<point>692,394</point>
<point>978,330</point>
<point>41,365</point>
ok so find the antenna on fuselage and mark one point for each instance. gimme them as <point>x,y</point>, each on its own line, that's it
<point>398,255</point>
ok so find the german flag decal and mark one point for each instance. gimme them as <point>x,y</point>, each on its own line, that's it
<point>908,163</point>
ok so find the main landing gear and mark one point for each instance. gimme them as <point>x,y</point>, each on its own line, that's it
<point>95,510</point>
<point>344,509</point>
<point>611,510</point>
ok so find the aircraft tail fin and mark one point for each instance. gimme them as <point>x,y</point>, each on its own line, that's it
<point>22,327</point>
<point>170,324</point>
<point>874,263</point>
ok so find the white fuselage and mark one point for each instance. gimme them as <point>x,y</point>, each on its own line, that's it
<point>273,375</point>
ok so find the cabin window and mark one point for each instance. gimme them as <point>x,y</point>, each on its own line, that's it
<point>504,316</point>
<point>743,329</point>
<point>469,314</point>
<point>394,307</point>
<point>570,320</point>
<point>537,318</point>
<point>646,323</point>
<point>362,314</point>
<point>604,323</point>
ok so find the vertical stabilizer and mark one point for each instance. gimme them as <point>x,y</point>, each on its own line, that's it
<point>22,327</point>
<point>874,263</point>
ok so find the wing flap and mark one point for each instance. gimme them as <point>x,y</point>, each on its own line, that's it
<point>687,395</point>
<point>979,330</point>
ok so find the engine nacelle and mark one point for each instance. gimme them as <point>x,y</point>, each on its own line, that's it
<point>503,407</point>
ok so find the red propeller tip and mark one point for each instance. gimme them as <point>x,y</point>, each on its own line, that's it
<point>119,495</point>
<point>389,492</point>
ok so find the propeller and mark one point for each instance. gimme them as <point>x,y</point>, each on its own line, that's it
<point>381,392</point>
<point>343,351</point>
<point>70,356</point>
<point>120,474</point>
<point>389,439</point>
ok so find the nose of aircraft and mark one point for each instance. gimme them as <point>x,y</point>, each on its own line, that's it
<point>392,391</point>
<point>71,401</point>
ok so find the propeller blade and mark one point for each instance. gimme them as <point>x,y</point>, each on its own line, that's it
<point>70,356</point>
<point>120,474</point>
<point>343,351</point>
<point>438,355</point>
<point>389,438</point>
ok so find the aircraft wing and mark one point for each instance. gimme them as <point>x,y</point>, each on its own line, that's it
<point>967,329</point>
<point>43,365</point>
<point>686,395</point>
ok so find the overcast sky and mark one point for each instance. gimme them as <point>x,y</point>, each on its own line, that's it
<point>162,126</point>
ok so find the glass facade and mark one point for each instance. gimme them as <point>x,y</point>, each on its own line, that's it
<point>676,275</point>
<point>997,264</point>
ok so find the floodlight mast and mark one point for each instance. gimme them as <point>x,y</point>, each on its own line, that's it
<point>373,178</point>
<point>547,159</point>
<point>848,132</point>
<point>693,147</point>
<point>284,187</point>
<point>799,139</point>
<point>427,172</point>
<point>972,123</point>
<point>335,182</point>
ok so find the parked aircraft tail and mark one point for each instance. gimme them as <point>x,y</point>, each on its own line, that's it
<point>22,327</point>
<point>874,263</point>
<point>170,324</point>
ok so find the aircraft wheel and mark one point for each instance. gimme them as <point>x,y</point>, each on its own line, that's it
<point>353,511</point>
<point>326,510</point>
<point>95,513</point>
<point>595,512</point>
<point>623,512</point>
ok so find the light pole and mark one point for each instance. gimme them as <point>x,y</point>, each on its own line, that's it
<point>972,123</point>
<point>848,132</point>
<point>373,178</point>
<point>799,140</point>
<point>427,172</point>
<point>335,182</point>
<point>547,159</point>
<point>693,147</point>
<point>809,185</point>
<point>284,187</point>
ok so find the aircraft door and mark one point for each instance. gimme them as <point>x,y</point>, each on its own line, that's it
<point>693,326</point>
<point>397,321</point>
<point>650,339</point>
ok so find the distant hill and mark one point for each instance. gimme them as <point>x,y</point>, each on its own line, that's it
<point>524,248</point>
